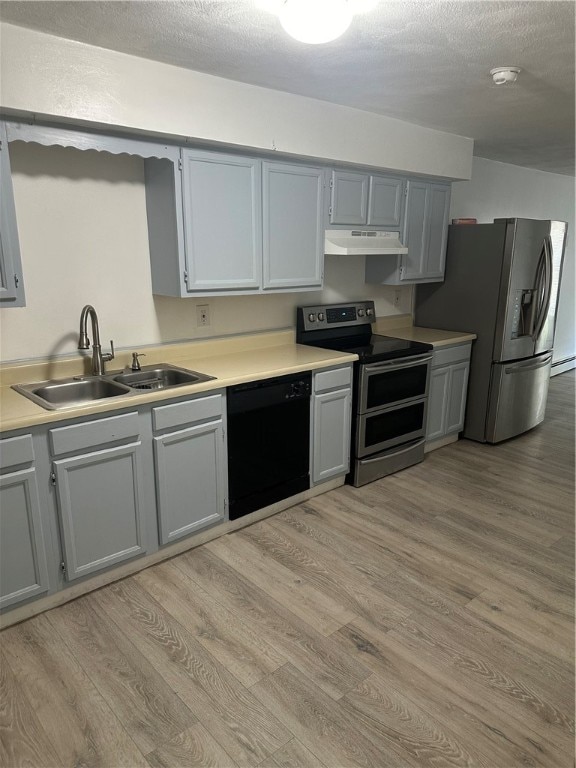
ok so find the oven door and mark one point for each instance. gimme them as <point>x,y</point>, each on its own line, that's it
<point>393,382</point>
<point>379,430</point>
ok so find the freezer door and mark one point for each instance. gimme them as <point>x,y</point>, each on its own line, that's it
<point>521,288</point>
<point>545,323</point>
<point>518,393</point>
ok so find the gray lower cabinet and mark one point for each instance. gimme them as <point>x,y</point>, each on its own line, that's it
<point>331,423</point>
<point>23,563</point>
<point>11,281</point>
<point>190,479</point>
<point>99,493</point>
<point>425,235</point>
<point>448,389</point>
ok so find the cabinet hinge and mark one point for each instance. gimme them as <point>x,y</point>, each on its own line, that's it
<point>179,163</point>
<point>16,281</point>
<point>405,189</point>
<point>330,210</point>
<point>185,275</point>
<point>53,478</point>
<point>63,567</point>
<point>331,183</point>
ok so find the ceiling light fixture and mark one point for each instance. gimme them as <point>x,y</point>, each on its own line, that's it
<point>320,21</point>
<point>505,75</point>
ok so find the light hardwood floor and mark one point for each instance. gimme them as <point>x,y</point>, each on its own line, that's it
<point>424,620</point>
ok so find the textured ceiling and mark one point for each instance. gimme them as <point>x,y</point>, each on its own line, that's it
<point>423,62</point>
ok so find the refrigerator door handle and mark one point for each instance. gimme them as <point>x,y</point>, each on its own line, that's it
<point>529,366</point>
<point>546,276</point>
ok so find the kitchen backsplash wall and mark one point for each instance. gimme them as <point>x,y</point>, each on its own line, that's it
<point>84,239</point>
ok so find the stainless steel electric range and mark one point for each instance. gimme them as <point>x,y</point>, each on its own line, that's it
<point>391,379</point>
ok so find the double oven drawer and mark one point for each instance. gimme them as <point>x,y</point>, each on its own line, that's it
<point>392,403</point>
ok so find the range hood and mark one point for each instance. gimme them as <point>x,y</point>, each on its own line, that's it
<point>360,242</point>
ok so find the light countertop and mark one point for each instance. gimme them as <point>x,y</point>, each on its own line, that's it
<point>400,327</point>
<point>231,360</point>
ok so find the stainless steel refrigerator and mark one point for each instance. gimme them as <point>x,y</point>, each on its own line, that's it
<point>501,283</point>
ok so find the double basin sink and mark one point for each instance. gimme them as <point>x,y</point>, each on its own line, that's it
<point>82,390</point>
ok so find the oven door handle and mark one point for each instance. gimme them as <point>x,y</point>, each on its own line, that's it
<point>403,362</point>
<point>393,452</point>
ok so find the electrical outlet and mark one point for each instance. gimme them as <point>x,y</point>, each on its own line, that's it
<point>397,297</point>
<point>202,315</point>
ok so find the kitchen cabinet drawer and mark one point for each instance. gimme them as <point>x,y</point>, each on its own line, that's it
<point>449,355</point>
<point>16,451</point>
<point>179,414</point>
<point>336,378</point>
<point>79,437</point>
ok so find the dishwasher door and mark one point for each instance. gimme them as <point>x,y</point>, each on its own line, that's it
<point>268,442</point>
<point>518,393</point>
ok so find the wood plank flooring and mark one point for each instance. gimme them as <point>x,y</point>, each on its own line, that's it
<point>424,620</point>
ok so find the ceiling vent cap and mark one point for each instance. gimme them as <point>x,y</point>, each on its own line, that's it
<point>505,75</point>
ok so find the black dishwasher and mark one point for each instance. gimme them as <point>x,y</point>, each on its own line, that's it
<point>268,441</point>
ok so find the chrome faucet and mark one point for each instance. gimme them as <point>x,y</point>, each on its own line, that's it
<point>98,359</point>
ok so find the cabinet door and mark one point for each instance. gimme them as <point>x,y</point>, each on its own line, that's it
<point>222,221</point>
<point>437,231</point>
<point>23,571</point>
<point>415,230</point>
<point>100,504</point>
<point>293,244</point>
<point>190,479</point>
<point>438,403</point>
<point>349,200</point>
<point>386,202</point>
<point>11,284</point>
<point>456,407</point>
<point>331,453</point>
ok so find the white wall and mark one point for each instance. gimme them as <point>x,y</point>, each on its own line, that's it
<point>46,75</point>
<point>499,190</point>
<point>84,239</point>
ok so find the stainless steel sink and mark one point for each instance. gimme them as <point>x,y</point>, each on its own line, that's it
<point>81,390</point>
<point>64,393</point>
<point>160,377</point>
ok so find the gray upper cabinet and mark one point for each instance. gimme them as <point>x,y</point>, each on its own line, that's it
<point>11,282</point>
<point>226,225</point>
<point>23,564</point>
<point>349,198</point>
<point>222,221</point>
<point>99,493</point>
<point>424,233</point>
<point>386,202</point>
<point>293,235</point>
<point>360,199</point>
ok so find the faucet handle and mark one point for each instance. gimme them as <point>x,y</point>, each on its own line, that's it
<point>135,362</point>
<point>107,356</point>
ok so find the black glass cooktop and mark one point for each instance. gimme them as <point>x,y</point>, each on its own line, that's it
<point>372,348</point>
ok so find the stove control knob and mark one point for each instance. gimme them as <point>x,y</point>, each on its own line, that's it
<point>312,317</point>
<point>321,316</point>
<point>369,311</point>
<point>360,313</point>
